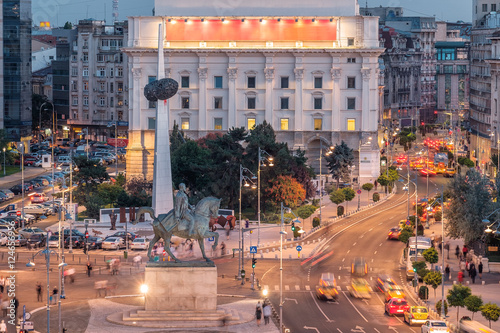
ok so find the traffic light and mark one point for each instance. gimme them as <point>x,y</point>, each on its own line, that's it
<point>254,261</point>
<point>293,226</point>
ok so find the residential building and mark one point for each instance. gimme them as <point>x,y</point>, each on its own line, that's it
<point>42,55</point>
<point>99,80</point>
<point>41,82</point>
<point>312,72</point>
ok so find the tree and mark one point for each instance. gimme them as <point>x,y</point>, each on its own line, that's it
<point>339,161</point>
<point>490,311</point>
<point>68,25</point>
<point>421,268</point>
<point>306,211</point>
<point>433,279</point>
<point>431,256</point>
<point>457,295</point>
<point>438,307</point>
<point>368,187</point>
<point>405,235</point>
<point>108,193</point>
<point>287,190</point>
<point>337,197</point>
<point>473,304</point>
<point>349,194</point>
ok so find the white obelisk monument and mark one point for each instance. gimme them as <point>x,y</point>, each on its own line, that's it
<point>163,199</point>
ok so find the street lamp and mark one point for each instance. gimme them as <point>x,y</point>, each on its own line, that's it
<point>22,180</point>
<point>40,118</point>
<point>71,219</point>
<point>4,161</point>
<point>116,147</point>
<point>328,152</point>
<point>246,182</point>
<point>262,159</point>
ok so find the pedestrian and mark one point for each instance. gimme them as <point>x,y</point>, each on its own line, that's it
<point>447,248</point>
<point>228,232</point>
<point>55,292</point>
<point>447,273</point>
<point>3,327</point>
<point>89,268</point>
<point>460,276</point>
<point>2,283</point>
<point>258,313</point>
<point>16,305</point>
<point>267,313</point>
<point>457,252</point>
<point>473,274</point>
<point>376,184</point>
<point>222,249</point>
<point>480,270</point>
<point>467,267</point>
<point>462,266</point>
<point>440,246</point>
<point>39,297</point>
<point>137,261</point>
<point>5,304</point>
<point>464,251</point>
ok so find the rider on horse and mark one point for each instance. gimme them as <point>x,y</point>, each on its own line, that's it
<point>182,209</point>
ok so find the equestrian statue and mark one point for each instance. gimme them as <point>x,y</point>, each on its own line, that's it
<point>184,221</point>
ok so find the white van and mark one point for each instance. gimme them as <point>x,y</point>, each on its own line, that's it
<point>420,244</point>
<point>472,326</point>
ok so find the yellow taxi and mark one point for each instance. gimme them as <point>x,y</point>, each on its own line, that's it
<point>394,291</point>
<point>359,288</point>
<point>327,289</point>
<point>416,315</point>
<point>449,173</point>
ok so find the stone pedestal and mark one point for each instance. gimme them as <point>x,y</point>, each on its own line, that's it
<point>181,288</point>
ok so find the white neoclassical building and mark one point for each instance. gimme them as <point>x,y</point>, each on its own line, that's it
<point>312,73</point>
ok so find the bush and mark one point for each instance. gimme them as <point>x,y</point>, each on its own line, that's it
<point>420,229</point>
<point>423,293</point>
<point>438,216</point>
<point>315,202</point>
<point>340,210</point>
<point>438,307</point>
<point>316,222</point>
<point>376,197</point>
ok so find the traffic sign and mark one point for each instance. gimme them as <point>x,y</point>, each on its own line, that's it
<point>211,239</point>
<point>358,191</point>
<point>28,325</point>
<point>18,213</point>
<point>299,248</point>
<point>407,222</point>
<point>253,249</point>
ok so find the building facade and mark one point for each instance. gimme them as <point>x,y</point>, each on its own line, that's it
<point>16,67</point>
<point>313,78</point>
<point>98,81</point>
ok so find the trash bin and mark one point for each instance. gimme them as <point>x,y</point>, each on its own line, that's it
<point>125,254</point>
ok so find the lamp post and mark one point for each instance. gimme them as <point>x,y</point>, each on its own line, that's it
<point>73,213</point>
<point>40,118</point>
<point>241,261</point>
<point>427,226</point>
<point>22,181</point>
<point>329,151</point>
<point>4,161</point>
<point>261,162</point>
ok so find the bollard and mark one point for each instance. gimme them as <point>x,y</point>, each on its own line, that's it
<point>261,256</point>
<point>267,250</point>
<point>79,260</point>
<point>483,283</point>
<point>223,275</point>
<point>467,282</point>
<point>307,242</point>
<point>275,256</point>
<point>274,249</point>
<point>289,256</point>
<point>95,261</point>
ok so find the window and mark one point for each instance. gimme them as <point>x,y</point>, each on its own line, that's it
<point>218,82</point>
<point>102,101</point>
<point>351,103</point>
<point>74,86</point>
<point>111,72</point>
<point>284,103</point>
<point>111,101</point>
<point>151,105</point>
<point>351,82</point>
<point>217,102</point>
<point>350,41</point>
<point>184,81</point>
<point>318,82</point>
<point>111,87</point>
<point>100,58</point>
<point>217,123</point>
<point>86,100</point>
<point>102,86</point>
<point>251,82</point>
<point>75,100</point>
<point>185,102</point>
<point>185,123</point>
<point>85,57</point>
<point>151,123</point>
<point>85,86</point>
<point>85,71</point>
<point>251,103</point>
<point>318,103</point>
<point>493,7</point>
<point>351,124</point>
<point>448,69</point>
<point>485,7</point>
<point>318,124</point>
<point>74,71</point>
<point>351,60</point>
<point>284,82</point>
<point>250,123</point>
<point>101,72</point>
<point>284,124</point>
<point>119,72</point>
<point>119,86</point>
<point>461,69</point>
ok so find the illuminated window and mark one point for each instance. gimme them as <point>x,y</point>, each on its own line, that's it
<point>185,82</point>
<point>284,82</point>
<point>251,82</point>
<point>318,103</point>
<point>218,82</point>
<point>351,103</point>
<point>318,124</point>
<point>284,124</point>
<point>351,124</point>
<point>251,103</point>
<point>151,123</point>
<point>351,82</point>
<point>185,102</point>
<point>318,82</point>
<point>217,123</point>
<point>217,102</point>
<point>250,123</point>
<point>185,123</point>
<point>85,86</point>
<point>284,103</point>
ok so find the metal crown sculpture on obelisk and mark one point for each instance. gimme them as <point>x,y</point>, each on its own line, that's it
<point>161,90</point>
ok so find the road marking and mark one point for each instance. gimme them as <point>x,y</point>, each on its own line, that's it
<point>297,287</point>
<point>315,302</point>
<point>343,260</point>
<point>355,308</point>
<point>308,288</point>
<point>374,253</point>
<point>376,330</point>
<point>370,229</point>
<point>381,244</point>
<point>263,275</point>
<point>354,243</point>
<point>311,328</point>
<point>363,235</point>
<point>338,329</point>
<point>348,251</point>
<point>276,287</point>
<point>292,299</point>
<point>287,287</point>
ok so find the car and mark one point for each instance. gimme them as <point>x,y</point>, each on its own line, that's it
<point>396,306</point>
<point>435,326</point>
<point>8,193</point>
<point>94,243</point>
<point>30,161</point>
<point>394,291</point>
<point>17,189</point>
<point>35,209</point>
<point>359,288</point>
<point>3,238</point>
<point>36,240</point>
<point>20,240</point>
<point>3,197</point>
<point>38,164</point>
<point>113,243</point>
<point>425,172</point>
<point>54,241</point>
<point>327,289</point>
<point>359,267</point>
<point>28,232</point>
<point>139,243</point>
<point>449,173</point>
<point>416,315</point>
<point>77,241</point>
<point>39,198</point>
<point>383,283</point>
<point>394,233</point>
<point>122,234</point>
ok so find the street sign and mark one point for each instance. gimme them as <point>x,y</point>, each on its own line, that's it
<point>18,213</point>
<point>299,248</point>
<point>28,325</point>
<point>211,239</point>
<point>407,222</point>
<point>253,249</point>
<point>358,191</point>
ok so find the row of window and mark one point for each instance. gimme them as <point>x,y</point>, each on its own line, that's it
<point>100,72</point>
<point>284,82</point>
<point>251,122</point>
<point>284,103</point>
<point>101,101</point>
<point>101,86</point>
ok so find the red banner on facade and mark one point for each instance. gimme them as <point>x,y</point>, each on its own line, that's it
<point>122,143</point>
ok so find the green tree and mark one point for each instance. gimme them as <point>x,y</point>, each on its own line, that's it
<point>68,25</point>
<point>405,235</point>
<point>339,161</point>
<point>421,268</point>
<point>473,303</point>
<point>108,194</point>
<point>306,211</point>
<point>490,311</point>
<point>433,279</point>
<point>457,295</point>
<point>349,194</point>
<point>337,197</point>
<point>368,187</point>
<point>431,256</point>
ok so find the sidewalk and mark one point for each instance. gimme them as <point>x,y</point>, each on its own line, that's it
<point>15,178</point>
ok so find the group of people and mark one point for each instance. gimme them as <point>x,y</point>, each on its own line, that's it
<point>263,309</point>
<point>467,265</point>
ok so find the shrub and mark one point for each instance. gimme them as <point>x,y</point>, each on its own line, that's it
<point>423,293</point>
<point>316,222</point>
<point>438,216</point>
<point>376,197</point>
<point>340,210</point>
<point>438,307</point>
<point>315,202</point>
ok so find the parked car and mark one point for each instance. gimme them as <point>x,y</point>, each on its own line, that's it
<point>113,243</point>
<point>20,240</point>
<point>29,161</point>
<point>122,234</point>
<point>54,241</point>
<point>28,232</point>
<point>36,240</point>
<point>77,241</point>
<point>8,193</point>
<point>3,197</point>
<point>139,244</point>
<point>17,189</point>
<point>94,243</point>
<point>43,181</point>
<point>39,198</point>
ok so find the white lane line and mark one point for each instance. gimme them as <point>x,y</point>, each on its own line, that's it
<point>355,308</point>
<point>354,243</point>
<point>338,329</point>
<point>375,252</point>
<point>376,330</point>
<point>297,287</point>
<point>370,229</point>
<point>343,260</point>
<point>348,251</point>
<point>363,235</point>
<point>308,288</point>
<point>315,302</point>
<point>381,244</point>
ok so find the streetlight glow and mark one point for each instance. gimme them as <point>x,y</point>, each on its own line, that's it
<point>144,288</point>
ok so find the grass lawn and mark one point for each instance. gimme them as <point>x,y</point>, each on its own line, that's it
<point>9,170</point>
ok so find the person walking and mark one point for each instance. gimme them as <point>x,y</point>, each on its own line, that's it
<point>457,252</point>
<point>460,276</point>
<point>2,283</point>
<point>447,272</point>
<point>447,248</point>
<point>3,327</point>
<point>480,270</point>
<point>464,251</point>
<point>267,313</point>
<point>462,266</point>
<point>55,292</point>
<point>89,268</point>
<point>39,296</point>
<point>473,274</point>
<point>258,313</point>
<point>16,305</point>
<point>222,248</point>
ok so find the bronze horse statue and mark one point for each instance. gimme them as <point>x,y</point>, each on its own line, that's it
<point>165,226</point>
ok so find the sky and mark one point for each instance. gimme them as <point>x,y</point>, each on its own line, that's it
<point>60,11</point>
